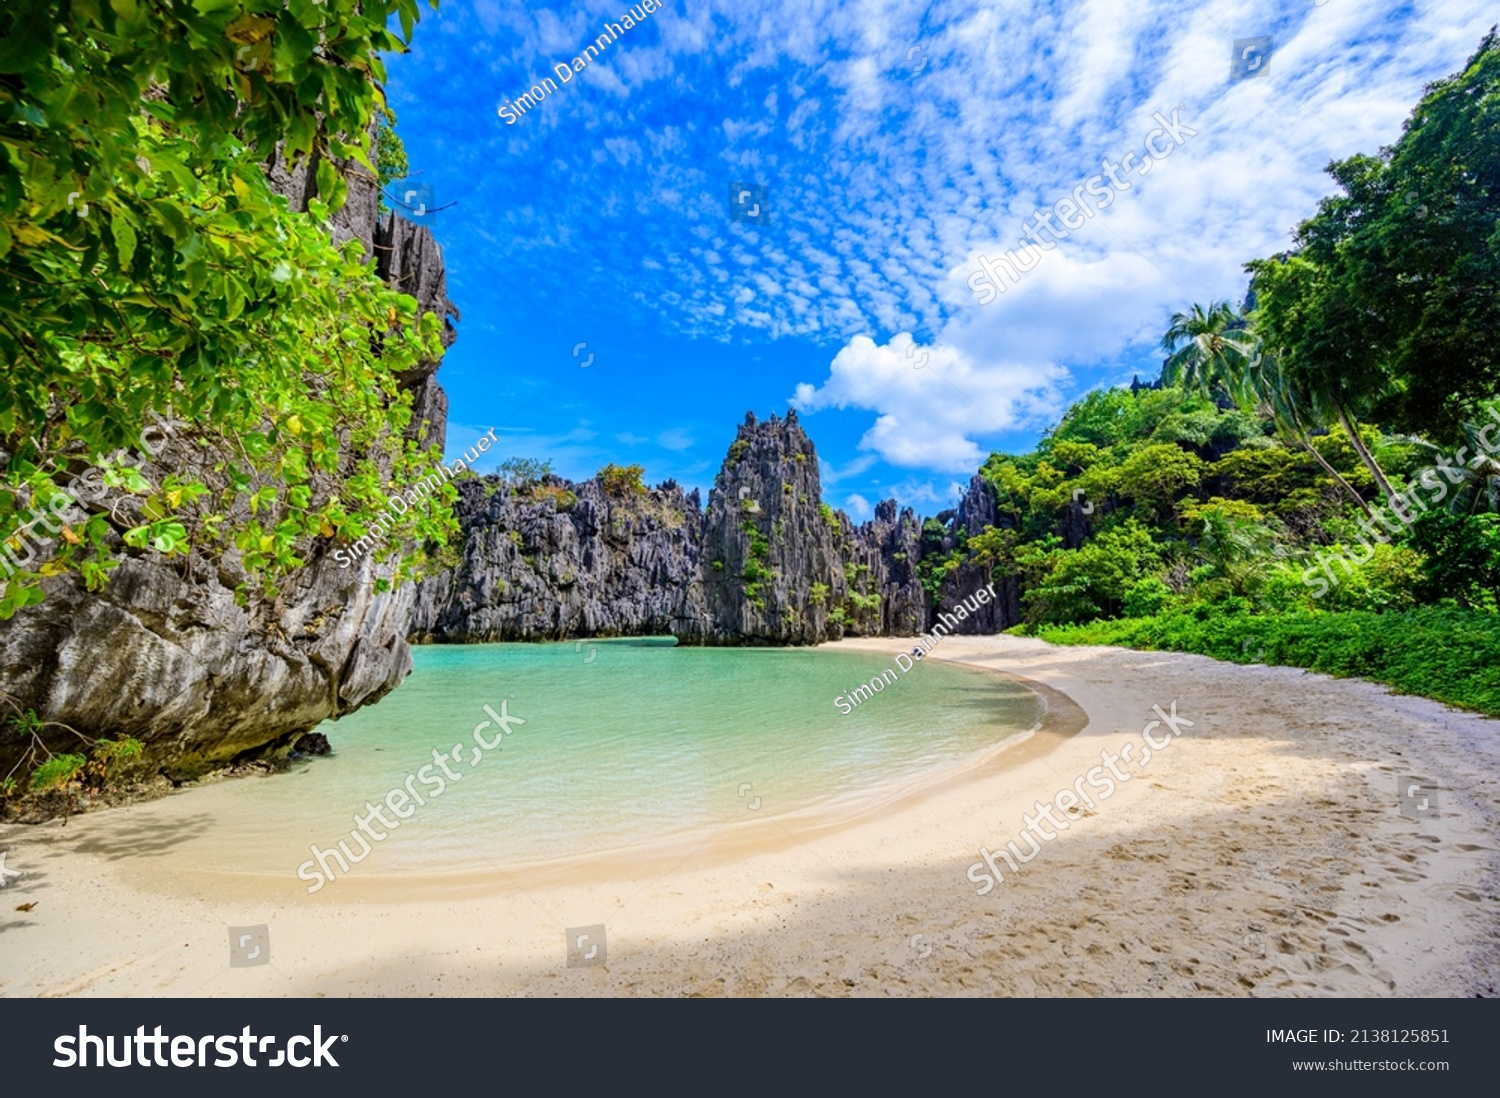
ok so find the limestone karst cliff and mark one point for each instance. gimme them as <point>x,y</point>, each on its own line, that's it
<point>765,563</point>
<point>165,653</point>
<point>779,566</point>
<point>552,559</point>
<point>975,512</point>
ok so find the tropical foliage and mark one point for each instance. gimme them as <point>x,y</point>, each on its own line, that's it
<point>1316,480</point>
<point>146,264</point>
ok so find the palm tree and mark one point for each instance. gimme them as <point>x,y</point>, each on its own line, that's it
<point>1351,428</point>
<point>1235,548</point>
<point>1214,346</point>
<point>1296,414</point>
<point>1480,489</point>
<point>1315,329</point>
<point>1208,347</point>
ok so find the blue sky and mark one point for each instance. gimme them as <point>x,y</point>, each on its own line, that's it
<point>898,142</point>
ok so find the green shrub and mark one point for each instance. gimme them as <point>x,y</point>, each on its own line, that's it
<point>1387,581</point>
<point>1093,580</point>
<point>144,256</point>
<point>622,480</point>
<point>56,772</point>
<point>1445,653</point>
<point>518,471</point>
<point>562,499</point>
<point>1147,596</point>
<point>1462,558</point>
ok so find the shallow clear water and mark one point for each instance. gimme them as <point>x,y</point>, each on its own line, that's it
<point>625,743</point>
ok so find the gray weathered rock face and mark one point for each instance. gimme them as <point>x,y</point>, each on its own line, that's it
<point>780,567</point>
<point>992,617</point>
<point>976,511</point>
<point>884,553</point>
<point>770,572</point>
<point>409,259</point>
<point>765,564</point>
<point>557,560</point>
<point>165,654</point>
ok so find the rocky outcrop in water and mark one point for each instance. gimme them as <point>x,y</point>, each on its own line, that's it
<point>553,559</point>
<point>167,654</point>
<point>771,572</point>
<point>766,563</point>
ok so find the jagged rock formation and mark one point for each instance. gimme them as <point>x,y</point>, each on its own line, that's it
<point>976,511</point>
<point>165,653</point>
<point>771,572</point>
<point>766,564</point>
<point>882,560</point>
<point>556,560</point>
<point>992,617</point>
<point>409,258</point>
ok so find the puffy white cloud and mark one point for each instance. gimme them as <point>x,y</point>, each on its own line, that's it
<point>1180,233</point>
<point>858,507</point>
<point>931,400</point>
<point>888,180</point>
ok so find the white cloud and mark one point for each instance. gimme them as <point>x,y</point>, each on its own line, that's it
<point>859,508</point>
<point>1338,84</point>
<point>675,438</point>
<point>931,400</point>
<point>831,474</point>
<point>886,183</point>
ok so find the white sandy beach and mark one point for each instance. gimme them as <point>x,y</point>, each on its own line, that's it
<point>1262,853</point>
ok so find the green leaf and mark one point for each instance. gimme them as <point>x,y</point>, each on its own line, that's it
<point>29,42</point>
<point>57,771</point>
<point>172,217</point>
<point>234,298</point>
<point>125,238</point>
<point>327,178</point>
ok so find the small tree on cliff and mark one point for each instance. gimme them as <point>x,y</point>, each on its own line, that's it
<point>622,480</point>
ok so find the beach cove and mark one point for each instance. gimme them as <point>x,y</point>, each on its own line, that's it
<point>1263,855</point>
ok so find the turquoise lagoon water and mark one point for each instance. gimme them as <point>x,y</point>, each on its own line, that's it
<point>625,743</point>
